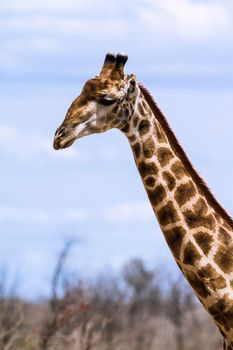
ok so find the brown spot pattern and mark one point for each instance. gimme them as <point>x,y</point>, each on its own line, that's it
<point>178,170</point>
<point>164,155</point>
<point>196,217</point>
<point>184,193</point>
<point>222,311</point>
<point>132,138</point>
<point>174,239</point>
<point>157,195</point>
<point>148,148</point>
<point>224,259</point>
<point>204,240</point>
<point>126,127</point>
<point>197,284</point>
<point>170,180</point>
<point>191,254</point>
<point>224,237</point>
<point>144,127</point>
<point>115,109</point>
<point>150,181</point>
<point>211,277</point>
<point>168,214</point>
<point>137,149</point>
<point>135,121</point>
<point>147,169</point>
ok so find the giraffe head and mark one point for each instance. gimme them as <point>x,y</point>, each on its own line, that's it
<point>105,102</point>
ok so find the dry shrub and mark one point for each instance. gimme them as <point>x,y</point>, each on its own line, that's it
<point>133,311</point>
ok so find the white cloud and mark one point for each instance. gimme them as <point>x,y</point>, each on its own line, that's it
<point>63,29</point>
<point>128,211</point>
<point>193,20</point>
<point>187,19</point>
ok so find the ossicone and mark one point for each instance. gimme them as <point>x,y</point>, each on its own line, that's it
<point>108,65</point>
<point>118,70</point>
<point>121,59</point>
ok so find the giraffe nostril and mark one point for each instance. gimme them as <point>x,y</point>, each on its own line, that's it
<point>61,132</point>
<point>65,131</point>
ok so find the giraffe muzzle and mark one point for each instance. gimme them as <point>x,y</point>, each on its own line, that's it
<point>64,137</point>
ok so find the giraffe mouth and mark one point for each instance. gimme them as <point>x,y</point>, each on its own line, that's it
<point>58,144</point>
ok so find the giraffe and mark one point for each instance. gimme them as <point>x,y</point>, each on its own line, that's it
<point>198,231</point>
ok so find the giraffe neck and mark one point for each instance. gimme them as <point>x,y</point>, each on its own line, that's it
<point>200,238</point>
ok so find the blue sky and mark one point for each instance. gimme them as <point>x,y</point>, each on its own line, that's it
<point>181,49</point>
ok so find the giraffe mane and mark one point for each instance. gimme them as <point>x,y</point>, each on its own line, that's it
<point>181,153</point>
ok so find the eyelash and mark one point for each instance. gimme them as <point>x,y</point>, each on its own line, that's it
<point>107,101</point>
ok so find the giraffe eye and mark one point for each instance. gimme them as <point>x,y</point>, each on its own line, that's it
<point>107,101</point>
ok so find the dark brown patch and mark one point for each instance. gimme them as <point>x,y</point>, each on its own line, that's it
<point>168,214</point>
<point>147,169</point>
<point>196,217</point>
<point>125,128</point>
<point>115,109</point>
<point>127,113</point>
<point>135,121</point>
<point>182,155</point>
<point>212,278</point>
<point>170,180</point>
<point>150,181</point>
<point>132,138</point>
<point>144,127</point>
<point>157,195</point>
<point>191,254</point>
<point>201,206</point>
<point>231,284</point>
<point>164,155</point>
<point>197,284</point>
<point>174,239</point>
<point>149,147</point>
<point>224,237</point>
<point>178,170</point>
<point>204,240</point>
<point>224,259</point>
<point>222,312</point>
<point>137,149</point>
<point>184,193</point>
